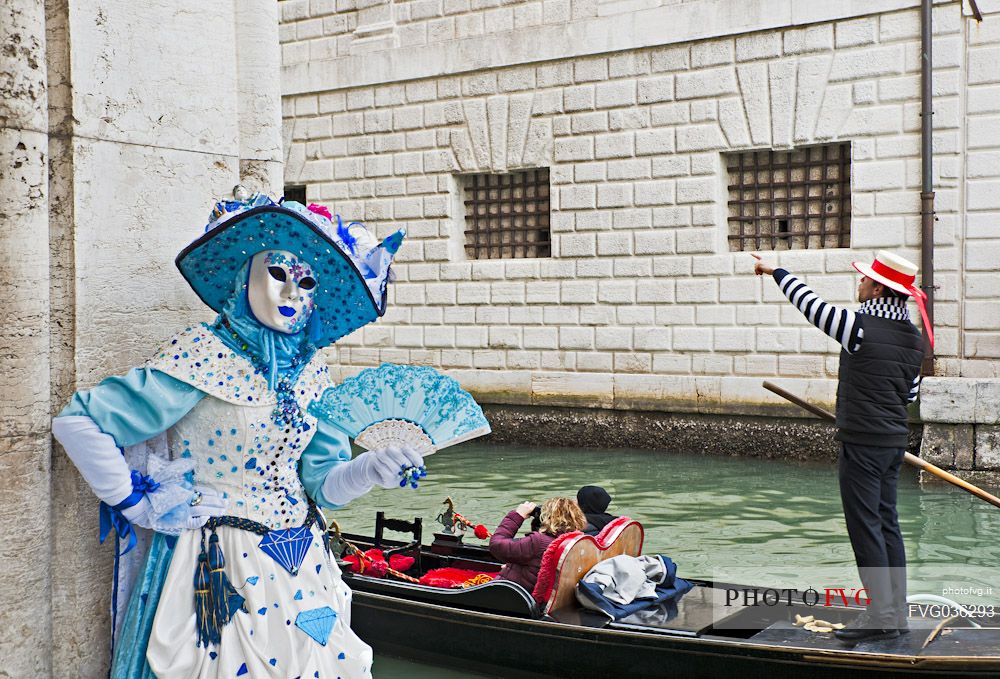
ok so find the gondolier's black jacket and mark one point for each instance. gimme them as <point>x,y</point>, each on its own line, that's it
<point>875,383</point>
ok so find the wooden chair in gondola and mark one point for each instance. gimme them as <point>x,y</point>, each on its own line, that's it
<point>572,555</point>
<point>414,528</point>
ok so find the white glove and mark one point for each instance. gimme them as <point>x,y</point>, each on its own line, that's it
<point>100,462</point>
<point>96,455</point>
<point>181,518</point>
<point>351,480</point>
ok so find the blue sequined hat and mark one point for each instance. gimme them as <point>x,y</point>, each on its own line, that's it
<point>351,276</point>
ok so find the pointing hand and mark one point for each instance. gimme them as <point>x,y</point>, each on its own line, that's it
<point>760,268</point>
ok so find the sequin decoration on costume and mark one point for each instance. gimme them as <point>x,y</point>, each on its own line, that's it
<point>199,358</point>
<point>287,411</point>
<point>288,546</point>
<point>253,462</point>
<point>317,623</point>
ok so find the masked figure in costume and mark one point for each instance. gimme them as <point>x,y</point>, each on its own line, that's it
<point>237,581</point>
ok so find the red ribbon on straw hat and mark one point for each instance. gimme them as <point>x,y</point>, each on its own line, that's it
<point>883,271</point>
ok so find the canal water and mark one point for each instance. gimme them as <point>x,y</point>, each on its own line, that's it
<point>761,522</point>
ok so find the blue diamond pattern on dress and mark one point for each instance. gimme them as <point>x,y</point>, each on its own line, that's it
<point>287,546</point>
<point>317,623</point>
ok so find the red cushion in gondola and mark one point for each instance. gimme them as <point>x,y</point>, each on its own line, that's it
<point>452,577</point>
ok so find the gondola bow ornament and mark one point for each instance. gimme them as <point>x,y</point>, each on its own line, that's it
<point>453,521</point>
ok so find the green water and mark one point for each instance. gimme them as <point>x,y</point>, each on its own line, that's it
<point>761,522</point>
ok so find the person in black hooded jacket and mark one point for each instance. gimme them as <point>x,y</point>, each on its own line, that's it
<point>594,501</point>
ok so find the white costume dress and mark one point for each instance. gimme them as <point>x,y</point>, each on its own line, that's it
<point>238,581</point>
<point>238,450</point>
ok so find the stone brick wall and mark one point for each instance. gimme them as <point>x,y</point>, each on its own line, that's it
<point>321,29</point>
<point>980,292</point>
<point>642,304</point>
<point>962,416</point>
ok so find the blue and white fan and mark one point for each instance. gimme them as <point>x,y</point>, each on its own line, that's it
<point>407,405</point>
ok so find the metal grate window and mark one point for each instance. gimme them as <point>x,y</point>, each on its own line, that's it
<point>296,193</point>
<point>790,200</point>
<point>507,215</point>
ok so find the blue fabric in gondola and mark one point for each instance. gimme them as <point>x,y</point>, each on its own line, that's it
<point>667,593</point>
<point>349,292</point>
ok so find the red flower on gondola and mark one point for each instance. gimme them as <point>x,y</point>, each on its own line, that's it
<point>372,563</point>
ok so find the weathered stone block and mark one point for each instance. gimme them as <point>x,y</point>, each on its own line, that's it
<point>983,65</point>
<point>710,82</point>
<point>691,241</point>
<point>654,243</point>
<point>614,94</point>
<point>569,389</point>
<point>656,89</point>
<point>655,142</point>
<point>631,168</point>
<point>699,190</point>
<point>616,292</point>
<point>987,409</point>
<point>943,444</point>
<point>816,38</point>
<point>614,195</point>
<point>621,145</point>
<point>574,149</point>
<point>671,59</point>
<point>987,454</point>
<point>494,386</point>
<point>947,400</point>
<point>711,53</point>
<point>614,244</point>
<point>758,46</point>
<point>156,93</point>
<point>857,32</point>
<point>867,63</point>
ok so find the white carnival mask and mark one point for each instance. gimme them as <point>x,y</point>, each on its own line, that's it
<point>281,290</point>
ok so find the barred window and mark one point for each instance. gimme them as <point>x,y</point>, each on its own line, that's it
<point>790,200</point>
<point>296,193</point>
<point>507,215</point>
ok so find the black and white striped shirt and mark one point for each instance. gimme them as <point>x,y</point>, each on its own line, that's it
<point>838,323</point>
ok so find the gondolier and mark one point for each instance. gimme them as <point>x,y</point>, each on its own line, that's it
<point>881,353</point>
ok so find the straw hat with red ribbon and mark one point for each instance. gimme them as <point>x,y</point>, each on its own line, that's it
<point>899,274</point>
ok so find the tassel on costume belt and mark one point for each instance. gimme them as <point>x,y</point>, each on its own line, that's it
<point>215,599</point>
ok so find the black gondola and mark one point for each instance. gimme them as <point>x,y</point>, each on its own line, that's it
<point>498,629</point>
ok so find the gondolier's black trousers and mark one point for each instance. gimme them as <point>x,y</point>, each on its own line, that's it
<point>868,478</point>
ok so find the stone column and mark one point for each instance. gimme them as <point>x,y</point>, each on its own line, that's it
<point>155,111</point>
<point>258,69</point>
<point>143,136</point>
<point>25,626</point>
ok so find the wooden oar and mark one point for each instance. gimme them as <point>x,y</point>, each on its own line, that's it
<point>909,458</point>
